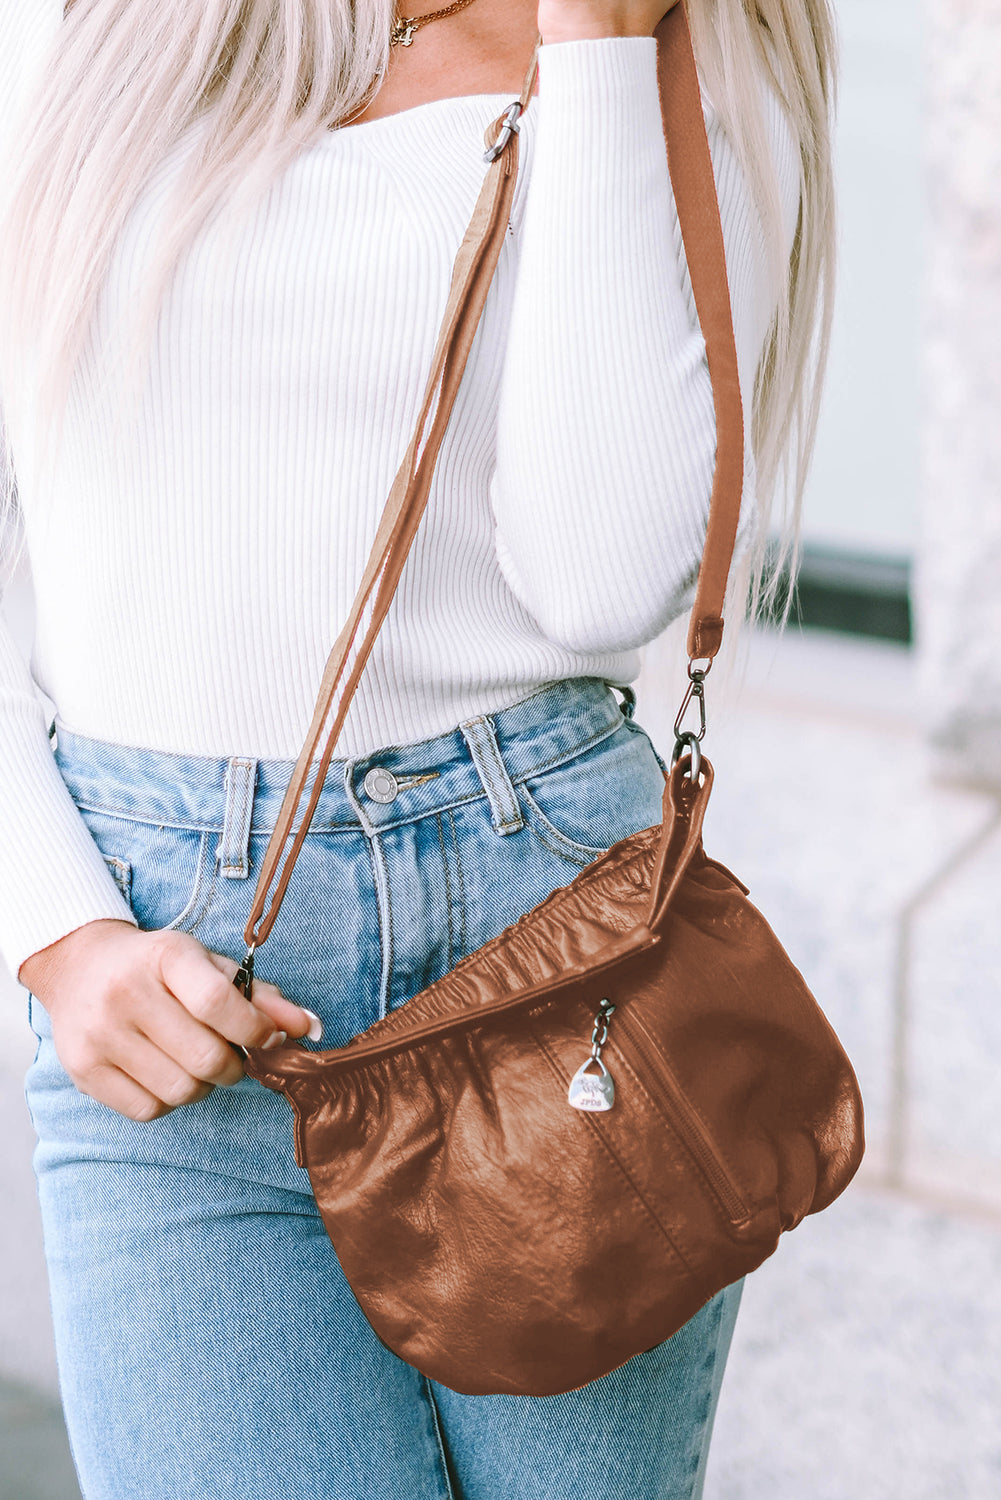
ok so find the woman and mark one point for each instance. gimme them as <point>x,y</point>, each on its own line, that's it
<point>229,229</point>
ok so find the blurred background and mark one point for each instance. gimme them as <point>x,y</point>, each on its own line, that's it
<point>858,793</point>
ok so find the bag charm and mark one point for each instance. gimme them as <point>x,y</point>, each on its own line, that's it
<point>586,1090</point>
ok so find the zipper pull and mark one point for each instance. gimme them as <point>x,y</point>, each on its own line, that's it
<point>589,1091</point>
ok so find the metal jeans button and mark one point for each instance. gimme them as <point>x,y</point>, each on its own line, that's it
<point>381,785</point>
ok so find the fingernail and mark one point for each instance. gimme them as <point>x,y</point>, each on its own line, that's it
<point>274,1040</point>
<point>315,1032</point>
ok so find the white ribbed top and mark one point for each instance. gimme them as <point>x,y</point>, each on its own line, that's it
<point>191,572</point>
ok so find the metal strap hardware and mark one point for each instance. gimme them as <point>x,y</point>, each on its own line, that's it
<point>243,979</point>
<point>512,123</point>
<point>690,739</point>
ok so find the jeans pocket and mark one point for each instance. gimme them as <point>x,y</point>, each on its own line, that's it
<point>553,837</point>
<point>167,875</point>
<point>582,807</point>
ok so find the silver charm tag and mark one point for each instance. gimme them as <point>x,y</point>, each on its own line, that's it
<point>590,1091</point>
<point>587,1091</point>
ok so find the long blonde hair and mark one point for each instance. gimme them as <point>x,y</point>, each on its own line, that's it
<point>124,81</point>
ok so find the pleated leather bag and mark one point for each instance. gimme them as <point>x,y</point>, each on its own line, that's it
<point>549,1160</point>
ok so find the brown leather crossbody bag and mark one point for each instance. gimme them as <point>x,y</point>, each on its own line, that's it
<point>550,1159</point>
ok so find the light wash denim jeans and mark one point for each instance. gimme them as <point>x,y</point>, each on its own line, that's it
<point>208,1343</point>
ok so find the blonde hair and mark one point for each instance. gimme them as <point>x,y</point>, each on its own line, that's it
<point>792,44</point>
<point>125,81</point>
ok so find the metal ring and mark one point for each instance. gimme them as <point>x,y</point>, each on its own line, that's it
<point>689,740</point>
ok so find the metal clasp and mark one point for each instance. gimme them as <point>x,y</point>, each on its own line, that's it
<point>244,976</point>
<point>512,124</point>
<point>689,739</point>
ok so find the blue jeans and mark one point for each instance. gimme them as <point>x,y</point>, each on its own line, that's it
<point>208,1342</point>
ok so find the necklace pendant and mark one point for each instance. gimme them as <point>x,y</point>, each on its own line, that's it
<point>403,32</point>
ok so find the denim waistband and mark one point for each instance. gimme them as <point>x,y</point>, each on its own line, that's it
<point>487,755</point>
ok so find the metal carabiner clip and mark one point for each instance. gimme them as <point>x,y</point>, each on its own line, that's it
<point>243,979</point>
<point>512,124</point>
<point>696,690</point>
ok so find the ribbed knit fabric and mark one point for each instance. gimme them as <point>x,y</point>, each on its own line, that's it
<point>191,572</point>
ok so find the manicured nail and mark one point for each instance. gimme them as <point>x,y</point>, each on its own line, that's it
<point>274,1040</point>
<point>315,1032</point>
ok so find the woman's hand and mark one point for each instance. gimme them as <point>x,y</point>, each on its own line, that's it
<point>570,20</point>
<point>147,1021</point>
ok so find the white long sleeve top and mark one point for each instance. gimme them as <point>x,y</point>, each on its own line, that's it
<point>191,573</point>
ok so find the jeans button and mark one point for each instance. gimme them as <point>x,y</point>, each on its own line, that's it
<point>381,785</point>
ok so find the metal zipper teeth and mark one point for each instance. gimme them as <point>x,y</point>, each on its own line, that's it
<point>661,1083</point>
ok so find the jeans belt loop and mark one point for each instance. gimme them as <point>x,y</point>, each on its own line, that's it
<point>233,850</point>
<point>505,810</point>
<point>628,700</point>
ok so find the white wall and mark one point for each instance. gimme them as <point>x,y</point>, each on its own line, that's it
<point>864,486</point>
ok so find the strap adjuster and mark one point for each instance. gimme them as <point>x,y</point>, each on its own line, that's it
<point>512,124</point>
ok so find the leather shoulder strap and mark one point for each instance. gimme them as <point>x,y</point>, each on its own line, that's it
<point>471,278</point>
<point>698,213</point>
<point>695,193</point>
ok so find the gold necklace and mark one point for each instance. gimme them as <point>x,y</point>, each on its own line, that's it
<point>406,27</point>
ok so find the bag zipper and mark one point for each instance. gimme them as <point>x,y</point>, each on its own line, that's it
<point>661,1083</point>
<point>638,940</point>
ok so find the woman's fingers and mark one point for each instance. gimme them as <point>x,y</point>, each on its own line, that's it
<point>160,1074</point>
<point>184,968</point>
<point>202,1053</point>
<point>146,1021</point>
<point>294,1020</point>
<point>110,1086</point>
<point>567,20</point>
